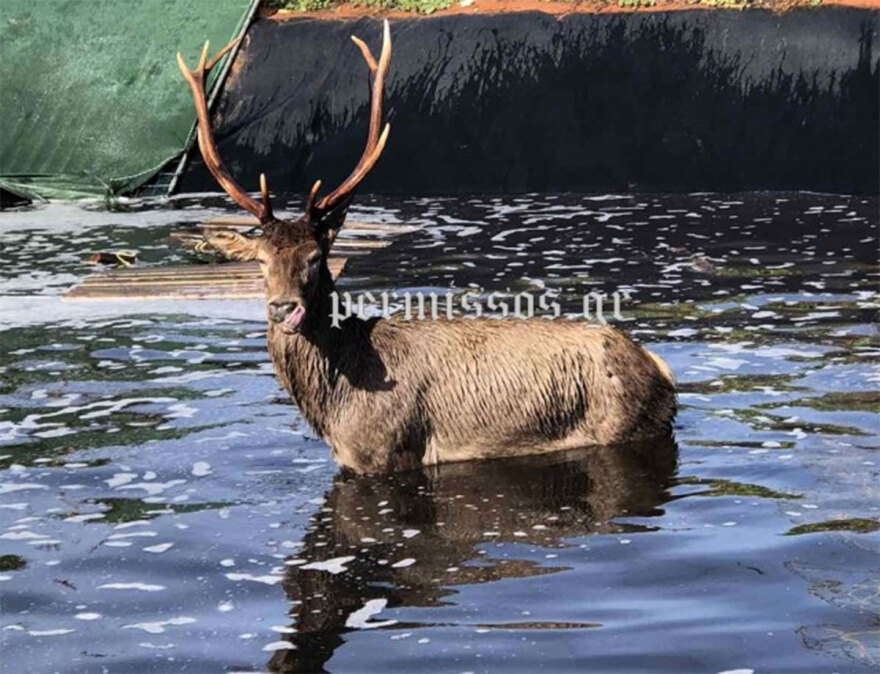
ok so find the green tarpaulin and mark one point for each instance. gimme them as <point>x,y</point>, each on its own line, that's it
<point>91,100</point>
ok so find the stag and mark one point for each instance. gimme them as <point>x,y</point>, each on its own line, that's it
<point>391,394</point>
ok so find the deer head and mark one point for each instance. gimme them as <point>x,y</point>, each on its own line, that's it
<point>292,253</point>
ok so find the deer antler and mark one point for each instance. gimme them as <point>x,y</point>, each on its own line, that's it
<point>196,79</point>
<point>375,141</point>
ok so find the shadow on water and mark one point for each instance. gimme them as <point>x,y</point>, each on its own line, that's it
<point>410,539</point>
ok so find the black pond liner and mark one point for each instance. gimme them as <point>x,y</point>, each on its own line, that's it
<point>699,100</point>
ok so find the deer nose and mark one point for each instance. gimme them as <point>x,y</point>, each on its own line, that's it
<point>278,311</point>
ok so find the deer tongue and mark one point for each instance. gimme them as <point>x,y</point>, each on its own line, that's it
<point>295,317</point>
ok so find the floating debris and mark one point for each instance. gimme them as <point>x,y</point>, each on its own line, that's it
<point>857,525</point>
<point>118,258</point>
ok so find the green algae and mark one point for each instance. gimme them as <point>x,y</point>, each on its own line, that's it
<point>858,525</point>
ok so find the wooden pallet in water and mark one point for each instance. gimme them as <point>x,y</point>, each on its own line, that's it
<point>226,280</point>
<point>229,280</point>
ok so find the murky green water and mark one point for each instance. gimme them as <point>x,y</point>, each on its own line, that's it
<point>165,509</point>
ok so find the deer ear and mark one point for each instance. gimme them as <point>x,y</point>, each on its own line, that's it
<point>233,245</point>
<point>329,224</point>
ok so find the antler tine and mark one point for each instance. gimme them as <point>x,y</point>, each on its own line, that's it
<point>264,194</point>
<point>379,82</point>
<point>203,58</point>
<point>220,54</point>
<point>310,203</point>
<point>196,80</point>
<point>365,50</point>
<point>375,142</point>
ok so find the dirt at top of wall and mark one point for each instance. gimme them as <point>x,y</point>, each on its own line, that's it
<point>290,9</point>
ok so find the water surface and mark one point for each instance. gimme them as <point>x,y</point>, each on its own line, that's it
<point>164,508</point>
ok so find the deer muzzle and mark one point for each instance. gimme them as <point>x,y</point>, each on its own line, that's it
<point>289,314</point>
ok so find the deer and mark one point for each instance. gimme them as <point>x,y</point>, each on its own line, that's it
<point>390,394</point>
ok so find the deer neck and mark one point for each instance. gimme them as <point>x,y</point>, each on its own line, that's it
<point>309,363</point>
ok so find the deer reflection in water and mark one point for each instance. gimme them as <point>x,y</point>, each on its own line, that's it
<point>540,500</point>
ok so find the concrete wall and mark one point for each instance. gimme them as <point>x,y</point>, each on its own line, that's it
<point>683,101</point>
